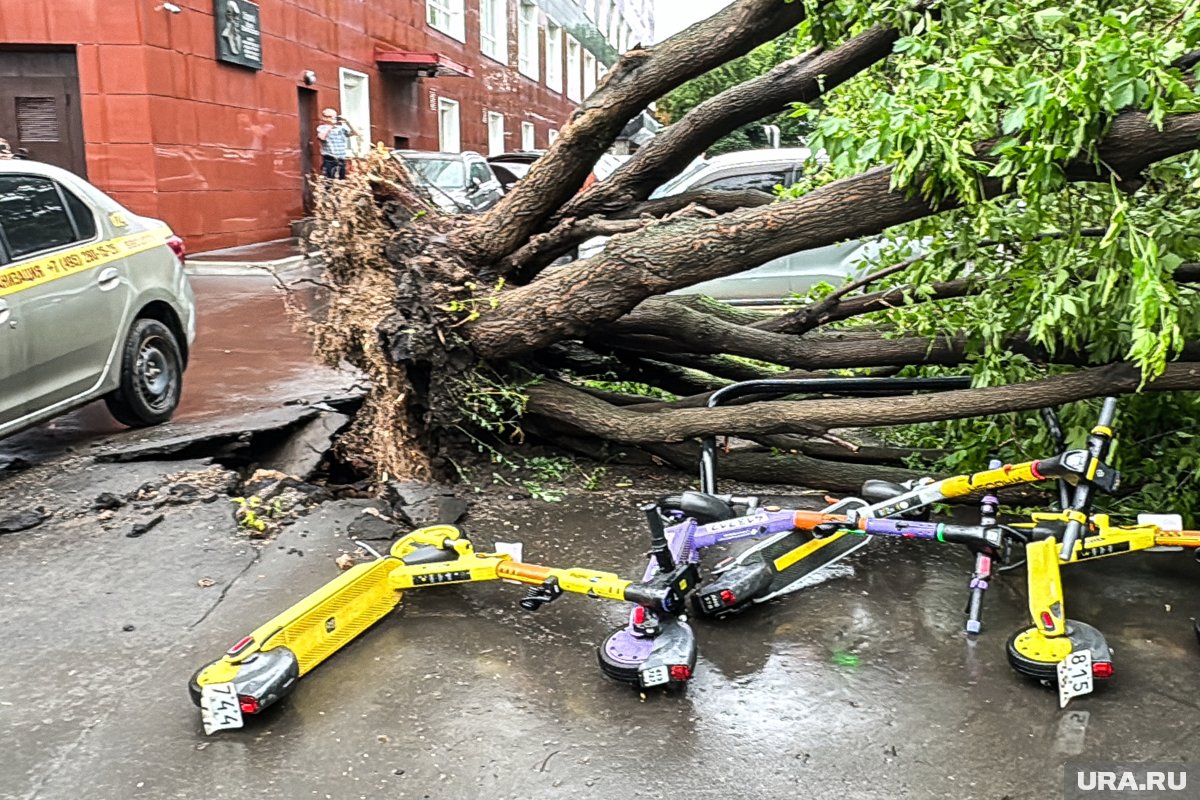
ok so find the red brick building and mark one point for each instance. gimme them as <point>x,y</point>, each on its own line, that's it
<point>202,112</point>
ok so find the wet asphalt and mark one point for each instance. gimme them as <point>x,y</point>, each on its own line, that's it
<point>861,687</point>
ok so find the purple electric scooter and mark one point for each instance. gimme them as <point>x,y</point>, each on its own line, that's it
<point>651,650</point>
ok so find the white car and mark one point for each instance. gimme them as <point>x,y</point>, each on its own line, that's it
<point>779,279</point>
<point>93,302</point>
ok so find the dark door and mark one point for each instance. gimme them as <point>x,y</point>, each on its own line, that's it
<point>307,99</point>
<point>39,106</point>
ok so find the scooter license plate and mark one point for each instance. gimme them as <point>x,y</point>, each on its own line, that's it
<point>219,708</point>
<point>1074,676</point>
<point>655,676</point>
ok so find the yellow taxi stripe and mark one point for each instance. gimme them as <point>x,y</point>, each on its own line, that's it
<point>28,274</point>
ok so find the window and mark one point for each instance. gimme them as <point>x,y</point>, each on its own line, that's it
<point>444,173</point>
<point>602,12</point>
<point>355,100</point>
<point>480,172</point>
<point>493,29</point>
<point>589,74</point>
<point>495,128</point>
<point>552,137</point>
<point>554,57</point>
<point>37,119</point>
<point>614,28</point>
<point>448,131</point>
<point>528,136</point>
<point>626,35</point>
<point>34,215</point>
<point>763,181</point>
<point>574,69</point>
<point>527,39</point>
<point>447,16</point>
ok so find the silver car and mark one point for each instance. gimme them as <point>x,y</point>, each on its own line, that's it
<point>460,183</point>
<point>93,302</point>
<point>776,280</point>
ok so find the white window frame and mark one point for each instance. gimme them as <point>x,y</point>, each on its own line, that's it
<point>554,56</point>
<point>356,107</point>
<point>552,136</point>
<point>447,16</point>
<point>589,73</point>
<point>527,39</point>
<point>495,133</point>
<point>528,136</point>
<point>614,27</point>
<point>449,109</point>
<point>493,37</point>
<point>574,69</point>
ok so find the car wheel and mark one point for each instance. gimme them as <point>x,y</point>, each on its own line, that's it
<point>151,376</point>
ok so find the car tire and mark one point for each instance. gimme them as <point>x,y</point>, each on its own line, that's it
<point>151,376</point>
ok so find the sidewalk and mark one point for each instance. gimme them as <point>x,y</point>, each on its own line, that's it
<point>278,256</point>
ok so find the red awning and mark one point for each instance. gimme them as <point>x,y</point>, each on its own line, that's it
<point>425,65</point>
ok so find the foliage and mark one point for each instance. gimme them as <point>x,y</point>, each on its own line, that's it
<point>981,96</point>
<point>253,515</point>
<point>613,384</point>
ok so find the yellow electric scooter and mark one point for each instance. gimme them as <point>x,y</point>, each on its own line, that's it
<point>264,667</point>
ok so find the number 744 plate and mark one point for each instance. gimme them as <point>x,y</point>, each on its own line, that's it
<point>1074,676</point>
<point>219,708</point>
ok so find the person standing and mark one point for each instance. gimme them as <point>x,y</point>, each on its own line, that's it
<point>334,133</point>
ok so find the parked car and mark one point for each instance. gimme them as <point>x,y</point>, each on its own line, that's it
<point>779,279</point>
<point>93,302</point>
<point>460,183</point>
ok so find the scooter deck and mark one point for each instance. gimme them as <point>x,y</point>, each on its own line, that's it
<point>794,556</point>
<point>328,619</point>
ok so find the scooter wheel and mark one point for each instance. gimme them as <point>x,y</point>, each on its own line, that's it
<point>622,654</point>
<point>1036,656</point>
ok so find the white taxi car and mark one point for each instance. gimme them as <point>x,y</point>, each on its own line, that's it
<point>93,302</point>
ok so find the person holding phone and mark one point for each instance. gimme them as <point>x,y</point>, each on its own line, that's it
<point>334,133</point>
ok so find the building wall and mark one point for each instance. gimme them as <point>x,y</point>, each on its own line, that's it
<point>214,149</point>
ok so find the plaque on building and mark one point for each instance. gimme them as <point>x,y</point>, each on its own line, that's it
<point>239,38</point>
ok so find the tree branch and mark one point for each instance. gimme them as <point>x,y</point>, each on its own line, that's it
<point>679,253</point>
<point>798,80</point>
<point>638,78</point>
<point>570,406</point>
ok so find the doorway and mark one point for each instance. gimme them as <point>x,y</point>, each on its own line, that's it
<point>40,106</point>
<point>307,105</point>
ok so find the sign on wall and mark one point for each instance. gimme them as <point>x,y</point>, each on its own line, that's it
<point>239,38</point>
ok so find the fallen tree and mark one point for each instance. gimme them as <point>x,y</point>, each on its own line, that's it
<point>1049,207</point>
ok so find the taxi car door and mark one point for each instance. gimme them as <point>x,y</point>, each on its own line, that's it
<point>72,291</point>
<point>14,395</point>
